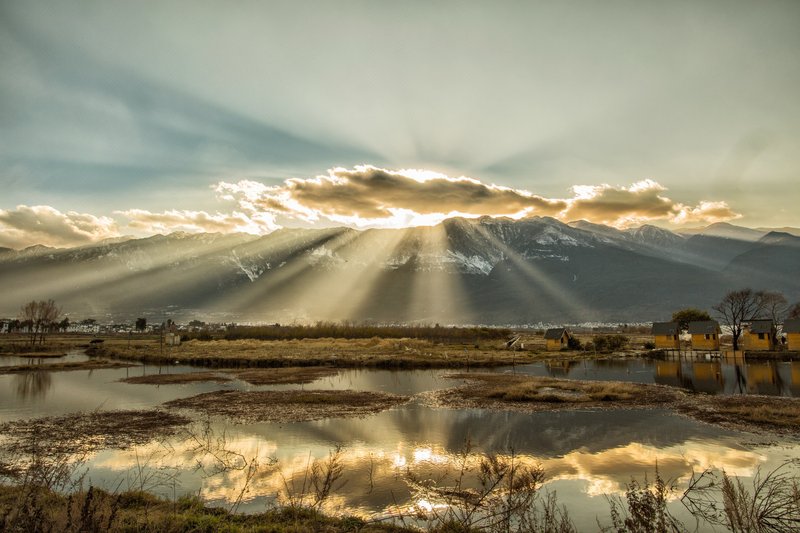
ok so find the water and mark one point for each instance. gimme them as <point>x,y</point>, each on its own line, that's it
<point>586,454</point>
<point>711,376</point>
<point>70,357</point>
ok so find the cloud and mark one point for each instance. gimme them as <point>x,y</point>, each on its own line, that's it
<point>640,203</point>
<point>41,224</point>
<point>365,196</point>
<point>371,196</point>
<point>197,221</point>
<point>709,212</point>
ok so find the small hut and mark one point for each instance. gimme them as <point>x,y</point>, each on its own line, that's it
<point>667,335</point>
<point>556,339</point>
<point>791,328</point>
<point>760,335</point>
<point>705,334</point>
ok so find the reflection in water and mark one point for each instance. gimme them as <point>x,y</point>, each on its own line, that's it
<point>584,453</point>
<point>774,378</point>
<point>33,385</point>
<point>378,476</point>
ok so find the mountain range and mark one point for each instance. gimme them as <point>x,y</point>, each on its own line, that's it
<point>486,270</point>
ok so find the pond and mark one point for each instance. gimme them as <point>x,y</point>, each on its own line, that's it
<point>586,455</point>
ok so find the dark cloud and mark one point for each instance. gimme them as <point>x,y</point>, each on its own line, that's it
<point>370,192</point>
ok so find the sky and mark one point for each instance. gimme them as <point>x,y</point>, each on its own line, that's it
<point>134,118</point>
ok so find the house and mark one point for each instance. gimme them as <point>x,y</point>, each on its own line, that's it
<point>172,339</point>
<point>760,335</point>
<point>791,328</point>
<point>667,335</point>
<point>556,339</point>
<point>705,335</point>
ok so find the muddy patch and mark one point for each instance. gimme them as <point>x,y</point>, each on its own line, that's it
<point>176,379</point>
<point>288,406</point>
<point>85,432</point>
<point>95,364</point>
<point>283,376</point>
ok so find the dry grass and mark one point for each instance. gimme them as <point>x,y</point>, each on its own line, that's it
<point>98,510</point>
<point>284,376</point>
<point>175,379</point>
<point>95,364</point>
<point>82,432</point>
<point>532,393</point>
<point>288,406</point>
<point>752,413</point>
<point>375,352</point>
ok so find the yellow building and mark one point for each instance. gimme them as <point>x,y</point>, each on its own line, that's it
<point>666,335</point>
<point>760,335</point>
<point>556,339</point>
<point>791,328</point>
<point>705,335</point>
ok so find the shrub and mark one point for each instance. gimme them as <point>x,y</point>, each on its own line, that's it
<point>609,343</point>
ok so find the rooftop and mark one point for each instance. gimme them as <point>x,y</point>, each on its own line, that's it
<point>761,326</point>
<point>665,328</point>
<point>703,327</point>
<point>554,333</point>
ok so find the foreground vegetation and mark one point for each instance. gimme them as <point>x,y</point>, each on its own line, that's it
<point>483,492</point>
<point>27,509</point>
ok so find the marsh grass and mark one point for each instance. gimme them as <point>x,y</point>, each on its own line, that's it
<point>488,492</point>
<point>543,393</point>
<point>97,510</point>
<point>770,503</point>
<point>755,413</point>
<point>283,375</point>
<point>80,433</point>
<point>94,364</point>
<point>349,353</point>
<point>644,509</point>
<point>533,393</point>
<point>288,406</point>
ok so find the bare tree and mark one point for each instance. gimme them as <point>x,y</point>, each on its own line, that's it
<point>794,311</point>
<point>775,306</point>
<point>738,307</point>
<point>27,316</point>
<point>49,313</point>
<point>39,317</point>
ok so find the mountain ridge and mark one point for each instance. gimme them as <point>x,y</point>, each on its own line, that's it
<point>484,270</point>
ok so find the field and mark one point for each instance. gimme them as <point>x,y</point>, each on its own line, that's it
<point>374,352</point>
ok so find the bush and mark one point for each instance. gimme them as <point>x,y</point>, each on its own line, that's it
<point>574,344</point>
<point>649,345</point>
<point>609,343</point>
